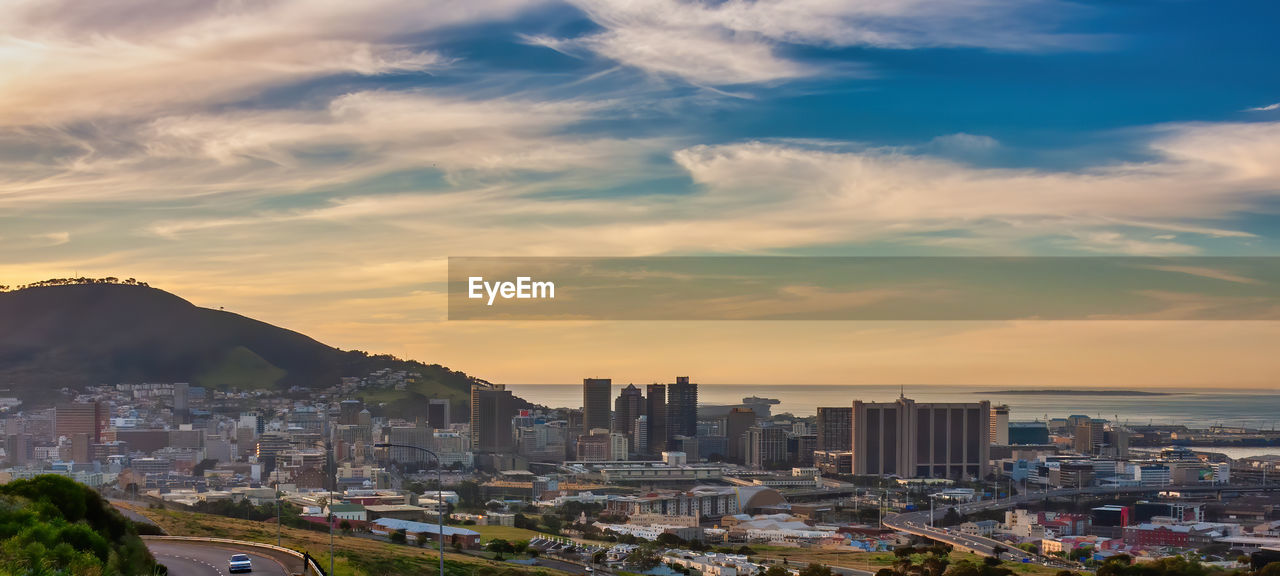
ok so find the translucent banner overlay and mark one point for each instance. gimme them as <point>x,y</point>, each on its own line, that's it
<point>849,288</point>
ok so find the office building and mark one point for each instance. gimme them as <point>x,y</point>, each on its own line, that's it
<point>916,440</point>
<point>832,462</point>
<point>89,418</point>
<point>596,446</point>
<point>766,447</point>
<point>596,393</point>
<point>438,413</point>
<point>349,412</point>
<point>739,420</point>
<point>409,458</point>
<point>682,408</point>
<point>626,409</point>
<point>656,412</point>
<point>640,439</point>
<point>1028,433</point>
<point>835,428</point>
<point>1088,435</point>
<point>181,403</point>
<point>18,449</point>
<point>800,449</point>
<point>491,412</point>
<point>1000,425</point>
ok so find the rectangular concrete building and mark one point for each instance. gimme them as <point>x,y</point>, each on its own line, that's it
<point>915,440</point>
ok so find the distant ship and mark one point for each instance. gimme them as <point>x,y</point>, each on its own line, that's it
<point>759,400</point>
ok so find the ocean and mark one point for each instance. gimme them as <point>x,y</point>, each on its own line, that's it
<point>1249,408</point>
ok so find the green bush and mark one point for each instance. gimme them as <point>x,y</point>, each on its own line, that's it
<point>52,525</point>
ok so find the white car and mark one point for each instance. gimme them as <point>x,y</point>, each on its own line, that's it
<point>239,563</point>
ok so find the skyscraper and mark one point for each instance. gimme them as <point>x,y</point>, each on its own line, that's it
<point>491,412</point>
<point>766,447</point>
<point>656,411</point>
<point>438,413</point>
<point>596,393</point>
<point>1000,425</point>
<point>640,439</point>
<point>181,403</point>
<point>89,418</point>
<point>739,420</point>
<point>628,407</point>
<point>349,412</point>
<point>835,427</point>
<point>682,408</point>
<point>1088,436</point>
<point>942,440</point>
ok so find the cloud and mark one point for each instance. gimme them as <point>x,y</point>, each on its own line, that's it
<point>61,61</point>
<point>746,41</point>
<point>52,238</point>
<point>1204,172</point>
<point>358,136</point>
<point>1205,272</point>
<point>1267,108</point>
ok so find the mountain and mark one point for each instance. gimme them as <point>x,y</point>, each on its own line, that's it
<point>72,334</point>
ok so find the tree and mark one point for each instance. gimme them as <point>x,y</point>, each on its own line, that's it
<point>815,570</point>
<point>551,523</point>
<point>777,570</point>
<point>599,557</point>
<point>644,558</point>
<point>500,546</point>
<point>669,540</point>
<point>468,493</point>
<point>345,526</point>
<point>934,565</point>
<point>398,537</point>
<point>421,539</point>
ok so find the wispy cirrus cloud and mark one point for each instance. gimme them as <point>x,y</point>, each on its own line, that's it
<point>64,61</point>
<point>745,41</point>
<point>1267,108</point>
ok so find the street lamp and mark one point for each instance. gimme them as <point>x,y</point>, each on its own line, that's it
<point>439,491</point>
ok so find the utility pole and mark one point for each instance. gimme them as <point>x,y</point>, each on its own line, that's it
<point>439,492</point>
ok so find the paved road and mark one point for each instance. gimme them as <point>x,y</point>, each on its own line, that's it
<point>190,559</point>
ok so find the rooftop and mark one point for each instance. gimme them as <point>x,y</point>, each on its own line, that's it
<point>423,527</point>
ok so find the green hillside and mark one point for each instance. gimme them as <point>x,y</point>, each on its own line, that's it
<point>80,332</point>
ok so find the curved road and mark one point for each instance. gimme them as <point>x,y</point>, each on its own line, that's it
<point>191,559</point>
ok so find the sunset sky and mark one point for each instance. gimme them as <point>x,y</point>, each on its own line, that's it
<point>313,164</point>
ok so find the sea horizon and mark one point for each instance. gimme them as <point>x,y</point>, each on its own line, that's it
<point>1195,408</point>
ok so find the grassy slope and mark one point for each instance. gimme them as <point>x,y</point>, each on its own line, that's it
<point>873,561</point>
<point>508,533</point>
<point>354,556</point>
<point>241,368</point>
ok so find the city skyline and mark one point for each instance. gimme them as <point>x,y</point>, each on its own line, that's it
<point>640,287</point>
<point>314,167</point>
